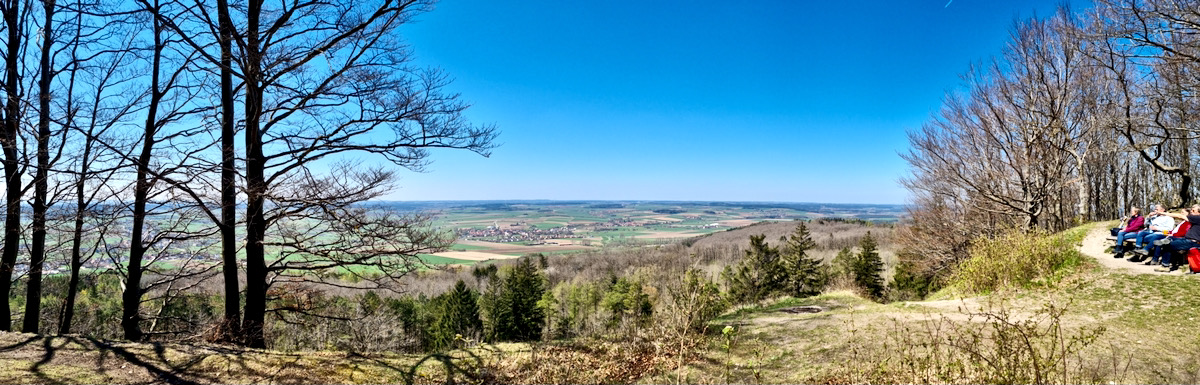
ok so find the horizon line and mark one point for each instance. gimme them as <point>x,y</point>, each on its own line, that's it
<point>631,200</point>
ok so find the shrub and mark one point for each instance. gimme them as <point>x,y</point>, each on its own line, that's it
<point>625,302</point>
<point>693,302</point>
<point>1015,259</point>
<point>910,283</point>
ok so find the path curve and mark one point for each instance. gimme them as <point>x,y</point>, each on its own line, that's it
<point>1096,245</point>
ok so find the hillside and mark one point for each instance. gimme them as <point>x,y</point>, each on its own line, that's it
<point>1106,323</point>
<point>830,236</point>
<point>1099,324</point>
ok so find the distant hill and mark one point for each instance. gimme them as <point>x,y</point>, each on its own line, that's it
<point>880,212</point>
<point>829,234</point>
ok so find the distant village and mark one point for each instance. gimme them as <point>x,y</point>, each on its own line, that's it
<point>533,235</point>
<point>517,232</point>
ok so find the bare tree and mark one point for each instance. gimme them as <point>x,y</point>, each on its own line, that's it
<point>361,98</point>
<point>45,137</point>
<point>1019,147</point>
<point>171,93</point>
<point>101,55</point>
<point>14,24</point>
<point>1149,53</point>
<point>232,324</point>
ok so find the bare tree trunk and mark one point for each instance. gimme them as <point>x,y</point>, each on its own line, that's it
<point>132,299</point>
<point>37,250</point>
<point>229,267</point>
<point>256,188</point>
<point>82,202</point>
<point>81,206</point>
<point>12,168</point>
<point>1085,189</point>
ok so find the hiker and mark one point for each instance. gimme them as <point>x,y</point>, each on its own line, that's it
<point>1170,250</point>
<point>1156,247</point>
<point>1153,244</point>
<point>1160,225</point>
<point>1132,227</point>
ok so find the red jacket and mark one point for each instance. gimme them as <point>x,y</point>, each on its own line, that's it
<point>1182,231</point>
<point>1135,224</point>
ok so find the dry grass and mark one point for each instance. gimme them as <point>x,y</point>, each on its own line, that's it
<point>1146,324</point>
<point>1094,325</point>
<point>28,358</point>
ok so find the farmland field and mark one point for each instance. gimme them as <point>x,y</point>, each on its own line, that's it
<point>503,229</point>
<point>493,230</point>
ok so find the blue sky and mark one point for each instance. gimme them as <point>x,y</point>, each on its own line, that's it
<point>803,101</point>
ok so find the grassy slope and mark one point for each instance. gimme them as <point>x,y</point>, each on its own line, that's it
<point>1147,328</point>
<point>29,358</point>
<point>1148,333</point>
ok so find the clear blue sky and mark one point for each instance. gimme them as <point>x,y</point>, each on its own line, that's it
<point>804,101</point>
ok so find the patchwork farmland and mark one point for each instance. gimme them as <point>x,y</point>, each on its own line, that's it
<point>489,230</point>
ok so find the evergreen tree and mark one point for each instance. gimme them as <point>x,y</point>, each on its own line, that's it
<point>843,264</point>
<point>457,314</point>
<point>803,276</point>
<point>626,299</point>
<point>909,284</point>
<point>758,275</point>
<point>512,303</point>
<point>868,268</point>
<point>483,272</point>
<point>698,300</point>
<point>494,314</point>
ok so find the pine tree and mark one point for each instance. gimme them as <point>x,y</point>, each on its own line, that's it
<point>803,276</point>
<point>843,264</point>
<point>758,275</point>
<point>694,302</point>
<point>625,299</point>
<point>908,284</point>
<point>462,310</point>
<point>512,304</point>
<point>868,268</point>
<point>456,313</point>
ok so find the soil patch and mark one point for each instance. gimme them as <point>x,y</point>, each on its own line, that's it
<point>473,255</point>
<point>505,248</point>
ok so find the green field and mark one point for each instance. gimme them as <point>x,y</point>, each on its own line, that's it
<point>462,247</point>
<point>437,260</point>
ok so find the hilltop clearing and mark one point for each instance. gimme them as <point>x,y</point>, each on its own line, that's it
<point>1097,324</point>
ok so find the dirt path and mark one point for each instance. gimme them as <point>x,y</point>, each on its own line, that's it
<point>1096,244</point>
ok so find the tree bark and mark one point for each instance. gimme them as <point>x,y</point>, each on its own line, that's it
<point>12,170</point>
<point>132,299</point>
<point>229,267</point>
<point>256,224</point>
<point>81,206</point>
<point>37,250</point>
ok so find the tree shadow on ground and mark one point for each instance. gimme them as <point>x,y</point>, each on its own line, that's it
<point>76,359</point>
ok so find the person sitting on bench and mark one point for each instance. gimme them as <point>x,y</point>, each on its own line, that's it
<point>1170,251</point>
<point>1154,248</point>
<point>1160,227</point>
<point>1130,232</point>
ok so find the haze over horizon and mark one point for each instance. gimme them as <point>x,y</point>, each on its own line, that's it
<point>773,101</point>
